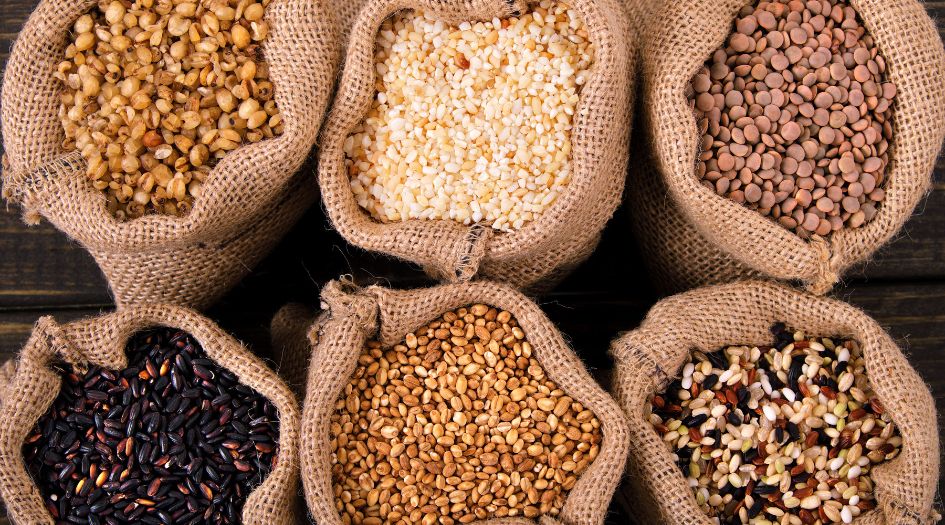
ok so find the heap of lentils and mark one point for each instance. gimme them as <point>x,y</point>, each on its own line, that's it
<point>796,116</point>
<point>787,433</point>
<point>172,439</point>
<point>458,423</point>
<point>471,123</point>
<point>156,92</point>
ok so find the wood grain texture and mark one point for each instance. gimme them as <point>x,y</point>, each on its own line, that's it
<point>44,273</point>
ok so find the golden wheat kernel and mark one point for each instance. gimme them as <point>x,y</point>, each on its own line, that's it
<point>253,12</point>
<point>429,387</point>
<point>240,37</point>
<point>259,30</point>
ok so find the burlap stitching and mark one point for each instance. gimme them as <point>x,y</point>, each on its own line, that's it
<point>662,377</point>
<point>930,518</point>
<point>477,238</point>
<point>59,345</point>
<point>827,272</point>
<point>68,354</point>
<point>514,6</point>
<point>344,299</point>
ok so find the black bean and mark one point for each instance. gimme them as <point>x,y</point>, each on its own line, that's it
<point>710,381</point>
<point>161,462</point>
<point>755,508</point>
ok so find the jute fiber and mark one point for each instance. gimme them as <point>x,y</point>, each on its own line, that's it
<point>686,33</point>
<point>251,198</point>
<point>565,233</point>
<point>101,341</point>
<point>346,14</point>
<point>6,377</point>
<point>677,256</point>
<point>710,318</point>
<point>355,316</point>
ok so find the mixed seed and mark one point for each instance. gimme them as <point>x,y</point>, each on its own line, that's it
<point>156,92</point>
<point>471,123</point>
<point>172,439</point>
<point>782,434</point>
<point>795,112</point>
<point>458,423</point>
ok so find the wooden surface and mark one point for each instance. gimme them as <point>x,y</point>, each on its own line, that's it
<point>44,273</point>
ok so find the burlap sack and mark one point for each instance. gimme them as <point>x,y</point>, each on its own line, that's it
<point>6,377</point>
<point>352,317</point>
<point>707,319</point>
<point>677,256</point>
<point>684,35</point>
<point>101,341</point>
<point>289,330</point>
<point>566,233</point>
<point>252,197</point>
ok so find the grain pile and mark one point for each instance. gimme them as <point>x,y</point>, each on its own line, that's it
<point>786,433</point>
<point>458,423</point>
<point>172,438</point>
<point>471,123</point>
<point>796,116</point>
<point>157,92</point>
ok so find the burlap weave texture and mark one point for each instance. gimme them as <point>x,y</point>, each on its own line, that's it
<point>34,384</point>
<point>565,234</point>
<point>354,316</point>
<point>738,241</point>
<point>251,198</point>
<point>708,319</point>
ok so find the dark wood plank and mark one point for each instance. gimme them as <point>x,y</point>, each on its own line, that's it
<point>16,326</point>
<point>12,15</point>
<point>916,252</point>
<point>41,266</point>
<point>38,256</point>
<point>42,272</point>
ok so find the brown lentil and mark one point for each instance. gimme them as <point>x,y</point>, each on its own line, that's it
<point>796,116</point>
<point>787,433</point>
<point>158,91</point>
<point>457,423</point>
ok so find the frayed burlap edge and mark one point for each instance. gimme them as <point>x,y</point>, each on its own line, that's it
<point>687,32</point>
<point>6,377</point>
<point>742,313</point>
<point>353,316</point>
<point>246,191</point>
<point>451,251</point>
<point>101,341</point>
